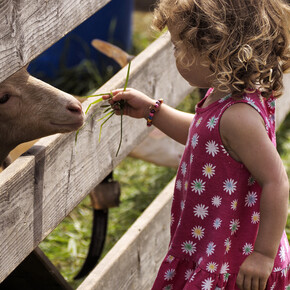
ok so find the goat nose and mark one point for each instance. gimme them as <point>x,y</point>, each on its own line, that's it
<point>75,107</point>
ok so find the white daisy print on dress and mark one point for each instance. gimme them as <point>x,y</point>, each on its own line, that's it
<point>251,199</point>
<point>226,277</point>
<point>234,225</point>
<point>198,186</point>
<point>191,158</point>
<point>282,254</point>
<point>208,170</point>
<point>217,223</point>
<point>168,287</point>
<point>169,274</point>
<point>252,103</point>
<point>216,201</point>
<point>273,286</point>
<point>188,247</point>
<point>207,283</point>
<point>255,217</point>
<point>271,104</point>
<point>284,272</point>
<point>247,249</point>
<point>234,204</point>
<point>182,204</point>
<point>210,248</point>
<point>170,259</point>
<point>200,211</point>
<point>199,261</point>
<point>225,268</point>
<point>224,150</point>
<point>188,274</point>
<point>211,123</point>
<point>227,244</point>
<point>230,186</point>
<point>211,267</point>
<point>194,140</point>
<point>192,277</point>
<point>212,148</point>
<point>251,180</point>
<point>197,232</point>
<point>178,184</point>
<point>185,185</point>
<point>183,168</point>
<point>179,221</point>
<point>198,122</point>
<point>225,98</point>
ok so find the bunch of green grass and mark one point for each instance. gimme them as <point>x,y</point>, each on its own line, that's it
<point>108,110</point>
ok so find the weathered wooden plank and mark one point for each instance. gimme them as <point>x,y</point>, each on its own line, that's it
<point>27,28</point>
<point>38,190</point>
<point>134,261</point>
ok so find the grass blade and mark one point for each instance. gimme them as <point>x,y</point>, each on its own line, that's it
<point>121,134</point>
<point>98,95</point>
<point>103,124</point>
<point>95,102</point>
<point>111,112</point>
<point>127,77</point>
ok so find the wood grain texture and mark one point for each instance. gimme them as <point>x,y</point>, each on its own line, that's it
<point>40,188</point>
<point>27,28</point>
<point>134,261</point>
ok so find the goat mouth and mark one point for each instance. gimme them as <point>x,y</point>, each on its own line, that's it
<point>68,126</point>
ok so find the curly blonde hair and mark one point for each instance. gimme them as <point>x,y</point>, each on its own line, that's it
<point>244,42</point>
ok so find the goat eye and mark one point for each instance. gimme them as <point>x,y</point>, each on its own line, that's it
<point>4,98</point>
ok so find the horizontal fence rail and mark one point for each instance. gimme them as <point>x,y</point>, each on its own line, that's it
<point>39,189</point>
<point>27,28</point>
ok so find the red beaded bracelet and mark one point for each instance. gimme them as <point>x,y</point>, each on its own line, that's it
<point>152,110</point>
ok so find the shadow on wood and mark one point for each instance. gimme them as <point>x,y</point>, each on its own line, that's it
<point>34,273</point>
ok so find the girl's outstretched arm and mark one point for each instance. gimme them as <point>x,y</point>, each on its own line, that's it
<point>244,134</point>
<point>172,122</point>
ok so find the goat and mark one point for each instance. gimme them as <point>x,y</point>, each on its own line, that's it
<point>31,109</point>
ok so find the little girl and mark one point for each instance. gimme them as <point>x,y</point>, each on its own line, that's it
<point>231,194</point>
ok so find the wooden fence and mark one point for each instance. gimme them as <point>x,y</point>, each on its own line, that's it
<point>45,184</point>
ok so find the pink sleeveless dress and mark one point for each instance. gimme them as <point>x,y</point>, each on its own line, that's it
<point>215,210</point>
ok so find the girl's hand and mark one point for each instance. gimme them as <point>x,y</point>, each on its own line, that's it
<point>254,272</point>
<point>136,103</point>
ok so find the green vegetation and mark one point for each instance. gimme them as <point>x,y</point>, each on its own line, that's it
<point>283,146</point>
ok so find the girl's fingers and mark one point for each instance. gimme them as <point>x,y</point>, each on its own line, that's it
<point>240,280</point>
<point>255,283</point>
<point>262,284</point>
<point>114,93</point>
<point>247,283</point>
